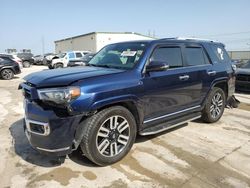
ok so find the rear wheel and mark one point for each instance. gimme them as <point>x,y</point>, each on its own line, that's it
<point>26,64</point>
<point>108,135</point>
<point>58,65</point>
<point>215,105</point>
<point>7,74</point>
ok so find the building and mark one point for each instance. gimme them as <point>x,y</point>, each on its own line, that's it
<point>11,51</point>
<point>239,55</point>
<point>96,40</point>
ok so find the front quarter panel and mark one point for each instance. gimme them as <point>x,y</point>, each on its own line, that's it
<point>106,90</point>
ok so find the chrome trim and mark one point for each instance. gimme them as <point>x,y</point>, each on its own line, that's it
<point>171,114</point>
<point>53,150</point>
<point>45,125</point>
<point>169,127</point>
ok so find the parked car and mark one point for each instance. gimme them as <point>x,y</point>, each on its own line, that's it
<point>82,61</point>
<point>128,88</point>
<point>238,63</point>
<point>38,59</point>
<point>15,58</point>
<point>48,58</point>
<point>8,67</point>
<point>61,60</point>
<point>243,77</point>
<point>27,59</point>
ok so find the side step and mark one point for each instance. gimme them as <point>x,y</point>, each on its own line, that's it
<point>169,124</point>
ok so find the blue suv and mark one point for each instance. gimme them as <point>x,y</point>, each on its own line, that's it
<point>128,88</point>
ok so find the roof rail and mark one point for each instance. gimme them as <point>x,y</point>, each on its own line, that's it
<point>189,38</point>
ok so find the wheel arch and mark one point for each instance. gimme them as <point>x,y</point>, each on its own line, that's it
<point>128,104</point>
<point>131,106</point>
<point>7,67</point>
<point>223,85</point>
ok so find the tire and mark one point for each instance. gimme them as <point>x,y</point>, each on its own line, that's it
<point>215,105</point>
<point>105,143</point>
<point>26,64</point>
<point>7,74</point>
<point>58,66</point>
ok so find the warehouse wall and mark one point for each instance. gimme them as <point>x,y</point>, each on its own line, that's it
<point>105,38</point>
<point>239,55</point>
<point>84,43</point>
<point>94,42</point>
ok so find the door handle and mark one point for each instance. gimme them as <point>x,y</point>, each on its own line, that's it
<point>184,77</point>
<point>211,73</point>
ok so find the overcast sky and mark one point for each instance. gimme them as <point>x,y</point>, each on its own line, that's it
<point>24,23</point>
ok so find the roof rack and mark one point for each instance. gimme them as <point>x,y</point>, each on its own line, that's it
<point>189,38</point>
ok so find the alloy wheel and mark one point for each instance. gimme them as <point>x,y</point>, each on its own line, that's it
<point>216,105</point>
<point>113,136</point>
<point>7,74</point>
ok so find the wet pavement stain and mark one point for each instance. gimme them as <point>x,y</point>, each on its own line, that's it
<point>117,183</point>
<point>244,106</point>
<point>89,175</point>
<point>212,173</point>
<point>130,176</point>
<point>62,175</point>
<point>134,165</point>
<point>235,129</point>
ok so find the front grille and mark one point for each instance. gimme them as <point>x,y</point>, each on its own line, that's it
<point>27,91</point>
<point>242,77</point>
<point>27,94</point>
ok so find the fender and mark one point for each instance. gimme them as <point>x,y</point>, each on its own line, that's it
<point>216,81</point>
<point>100,104</point>
<point>7,67</point>
<point>116,99</point>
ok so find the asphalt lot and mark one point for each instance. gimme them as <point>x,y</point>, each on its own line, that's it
<point>193,155</point>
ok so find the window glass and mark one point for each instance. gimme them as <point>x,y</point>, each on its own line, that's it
<point>78,54</point>
<point>121,55</point>
<point>195,56</point>
<point>170,55</point>
<point>71,55</point>
<point>220,53</point>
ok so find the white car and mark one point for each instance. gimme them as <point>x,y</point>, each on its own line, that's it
<point>61,60</point>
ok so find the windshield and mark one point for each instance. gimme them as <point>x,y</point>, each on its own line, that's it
<point>121,55</point>
<point>247,65</point>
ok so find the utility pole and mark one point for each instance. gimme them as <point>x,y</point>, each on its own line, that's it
<point>42,45</point>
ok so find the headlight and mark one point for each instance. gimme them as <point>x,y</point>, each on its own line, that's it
<point>59,95</point>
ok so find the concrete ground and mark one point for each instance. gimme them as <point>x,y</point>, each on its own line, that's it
<point>194,155</point>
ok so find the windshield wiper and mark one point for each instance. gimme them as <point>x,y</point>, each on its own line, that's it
<point>100,65</point>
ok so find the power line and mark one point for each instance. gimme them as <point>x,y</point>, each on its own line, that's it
<point>225,34</point>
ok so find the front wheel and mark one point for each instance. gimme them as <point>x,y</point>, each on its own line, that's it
<point>58,66</point>
<point>214,106</point>
<point>7,74</point>
<point>26,64</point>
<point>108,135</point>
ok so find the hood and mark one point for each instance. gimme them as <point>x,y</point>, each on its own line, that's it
<point>243,71</point>
<point>66,76</point>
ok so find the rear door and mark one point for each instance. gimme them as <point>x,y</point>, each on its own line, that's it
<point>200,71</point>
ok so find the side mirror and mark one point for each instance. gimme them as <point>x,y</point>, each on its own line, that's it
<point>157,66</point>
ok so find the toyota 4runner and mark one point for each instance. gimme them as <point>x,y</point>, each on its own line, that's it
<point>128,88</point>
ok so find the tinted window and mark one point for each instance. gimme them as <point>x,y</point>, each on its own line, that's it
<point>78,54</point>
<point>220,53</point>
<point>71,55</point>
<point>170,55</point>
<point>195,56</point>
<point>121,55</point>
